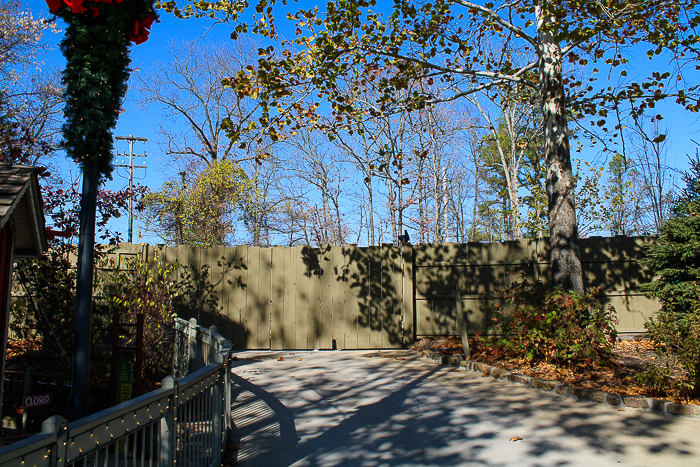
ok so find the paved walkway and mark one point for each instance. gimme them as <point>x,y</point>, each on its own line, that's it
<point>340,408</point>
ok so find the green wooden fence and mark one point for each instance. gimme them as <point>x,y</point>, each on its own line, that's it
<point>378,297</point>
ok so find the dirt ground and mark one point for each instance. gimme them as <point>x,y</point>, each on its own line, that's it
<point>630,357</point>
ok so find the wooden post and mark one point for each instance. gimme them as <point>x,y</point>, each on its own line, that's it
<point>56,425</point>
<point>462,320</point>
<point>217,410</point>
<point>192,346</point>
<point>167,425</point>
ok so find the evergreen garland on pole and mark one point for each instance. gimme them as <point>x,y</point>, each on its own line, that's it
<point>96,47</point>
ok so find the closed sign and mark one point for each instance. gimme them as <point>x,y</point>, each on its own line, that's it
<point>35,401</point>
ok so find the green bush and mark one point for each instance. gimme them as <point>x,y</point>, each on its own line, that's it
<point>541,324</point>
<point>45,306</point>
<point>679,337</point>
<point>141,288</point>
<point>675,259</point>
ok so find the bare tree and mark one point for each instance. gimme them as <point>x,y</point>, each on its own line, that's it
<point>199,112</point>
<point>650,159</point>
<point>316,161</point>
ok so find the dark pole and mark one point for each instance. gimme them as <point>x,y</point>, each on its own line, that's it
<point>83,294</point>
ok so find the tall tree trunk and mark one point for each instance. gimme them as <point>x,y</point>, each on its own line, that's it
<point>370,200</point>
<point>421,209</point>
<point>563,227</point>
<point>476,201</point>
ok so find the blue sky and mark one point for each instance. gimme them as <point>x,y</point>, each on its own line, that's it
<point>683,126</point>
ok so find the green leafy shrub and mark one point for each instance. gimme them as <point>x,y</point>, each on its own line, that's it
<point>679,336</point>
<point>142,288</point>
<point>553,325</point>
<point>675,259</point>
<point>44,306</point>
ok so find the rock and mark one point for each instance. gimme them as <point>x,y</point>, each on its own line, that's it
<point>543,384</point>
<point>516,378</point>
<point>638,402</point>
<point>685,410</point>
<point>499,373</point>
<point>613,399</point>
<point>659,405</point>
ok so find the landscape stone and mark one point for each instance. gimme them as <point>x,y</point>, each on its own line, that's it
<point>613,399</point>
<point>589,394</point>
<point>636,402</point>
<point>659,405</point>
<point>543,384</point>
<point>686,410</point>
<point>560,389</point>
<point>498,373</point>
<point>516,378</point>
<point>483,367</point>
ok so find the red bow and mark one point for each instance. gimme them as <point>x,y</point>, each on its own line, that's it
<point>54,5</point>
<point>141,29</point>
<point>76,6</point>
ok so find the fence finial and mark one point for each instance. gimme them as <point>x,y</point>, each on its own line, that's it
<point>168,382</point>
<point>54,425</point>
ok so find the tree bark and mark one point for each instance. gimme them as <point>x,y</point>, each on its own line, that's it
<point>563,227</point>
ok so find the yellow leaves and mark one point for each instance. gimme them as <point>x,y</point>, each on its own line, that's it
<point>515,438</point>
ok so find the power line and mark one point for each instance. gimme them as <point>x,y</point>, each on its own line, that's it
<point>131,139</point>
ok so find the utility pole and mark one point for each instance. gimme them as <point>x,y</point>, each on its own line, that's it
<point>131,139</point>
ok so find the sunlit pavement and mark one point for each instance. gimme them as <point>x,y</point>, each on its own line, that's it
<point>341,408</point>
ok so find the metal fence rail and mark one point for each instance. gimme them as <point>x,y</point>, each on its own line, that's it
<point>185,421</point>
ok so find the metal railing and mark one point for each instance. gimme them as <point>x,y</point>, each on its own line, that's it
<point>185,422</point>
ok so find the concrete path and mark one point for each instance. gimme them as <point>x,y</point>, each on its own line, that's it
<point>340,408</point>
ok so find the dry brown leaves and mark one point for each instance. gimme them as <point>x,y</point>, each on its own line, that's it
<point>630,357</point>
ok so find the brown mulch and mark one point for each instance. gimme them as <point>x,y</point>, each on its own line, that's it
<point>630,357</point>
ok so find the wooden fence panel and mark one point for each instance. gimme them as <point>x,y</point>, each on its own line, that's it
<point>302,299</point>
<point>313,290</point>
<point>252,310</point>
<point>327,281</point>
<point>391,296</point>
<point>290,294</point>
<point>354,296</point>
<point>264,291</point>
<point>277,305</point>
<point>408,297</point>
<point>376,314</point>
<point>338,291</point>
<point>236,279</point>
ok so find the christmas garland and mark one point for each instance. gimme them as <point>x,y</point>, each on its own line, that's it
<point>96,47</point>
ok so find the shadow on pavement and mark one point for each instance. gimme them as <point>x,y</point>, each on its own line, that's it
<point>352,410</point>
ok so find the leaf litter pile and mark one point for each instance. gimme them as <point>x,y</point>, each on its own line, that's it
<point>630,358</point>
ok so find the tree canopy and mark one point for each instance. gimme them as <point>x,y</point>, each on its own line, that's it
<point>454,48</point>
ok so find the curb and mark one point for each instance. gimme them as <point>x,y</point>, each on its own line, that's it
<point>642,403</point>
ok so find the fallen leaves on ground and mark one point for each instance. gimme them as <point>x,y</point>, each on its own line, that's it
<point>515,438</point>
<point>630,356</point>
<point>281,359</point>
